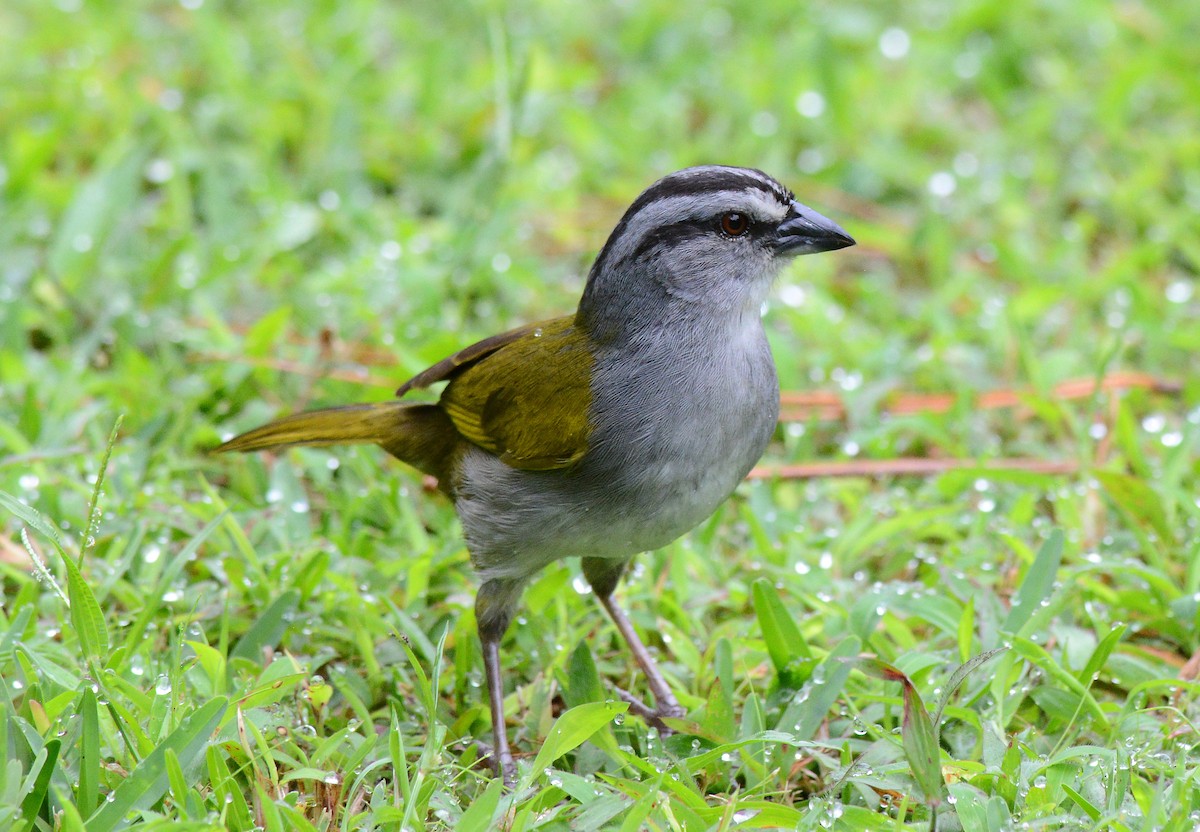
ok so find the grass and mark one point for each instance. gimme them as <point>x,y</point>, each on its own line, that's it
<point>214,212</point>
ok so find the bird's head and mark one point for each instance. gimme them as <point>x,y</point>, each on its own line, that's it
<point>701,241</point>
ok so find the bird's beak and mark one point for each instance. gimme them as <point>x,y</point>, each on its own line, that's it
<point>804,231</point>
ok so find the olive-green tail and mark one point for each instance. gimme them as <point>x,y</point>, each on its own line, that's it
<point>419,434</point>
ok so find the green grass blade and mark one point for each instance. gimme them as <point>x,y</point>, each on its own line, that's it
<point>39,782</point>
<point>1037,655</point>
<point>918,736</point>
<point>228,791</point>
<point>176,782</point>
<point>957,678</point>
<point>1137,499</point>
<point>32,518</point>
<point>86,615</point>
<point>635,818</point>
<point>1038,583</point>
<point>719,720</point>
<point>89,754</point>
<point>918,733</point>
<point>1082,802</point>
<point>572,729</point>
<point>583,681</point>
<point>1100,655</point>
<point>482,811</point>
<point>785,644</point>
<point>808,710</point>
<point>105,196</point>
<point>147,783</point>
<point>267,629</point>
<point>15,631</point>
<point>173,568</point>
<point>966,630</point>
<point>92,525</point>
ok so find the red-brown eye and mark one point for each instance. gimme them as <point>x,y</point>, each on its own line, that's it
<point>735,224</point>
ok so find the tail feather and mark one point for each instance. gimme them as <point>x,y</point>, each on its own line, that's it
<point>418,434</point>
<point>350,425</point>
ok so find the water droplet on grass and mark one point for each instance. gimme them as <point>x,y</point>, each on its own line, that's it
<point>810,104</point>
<point>170,99</point>
<point>894,43</point>
<point>764,123</point>
<point>1180,291</point>
<point>329,200</point>
<point>159,170</point>
<point>942,184</point>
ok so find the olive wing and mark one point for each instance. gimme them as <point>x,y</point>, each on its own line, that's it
<point>524,396</point>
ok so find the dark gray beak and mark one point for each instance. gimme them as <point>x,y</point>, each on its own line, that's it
<point>804,231</point>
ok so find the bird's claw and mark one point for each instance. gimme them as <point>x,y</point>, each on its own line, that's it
<point>654,716</point>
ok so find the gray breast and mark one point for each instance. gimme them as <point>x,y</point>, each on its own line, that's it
<point>677,427</point>
<point>693,422</point>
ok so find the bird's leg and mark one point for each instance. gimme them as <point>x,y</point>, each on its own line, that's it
<point>502,758</point>
<point>603,574</point>
<point>494,605</point>
<point>666,705</point>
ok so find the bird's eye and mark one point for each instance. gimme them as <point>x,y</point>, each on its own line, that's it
<point>734,224</point>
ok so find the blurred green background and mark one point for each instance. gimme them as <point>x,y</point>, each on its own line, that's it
<point>214,212</point>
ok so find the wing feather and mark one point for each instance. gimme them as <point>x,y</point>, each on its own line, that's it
<point>523,395</point>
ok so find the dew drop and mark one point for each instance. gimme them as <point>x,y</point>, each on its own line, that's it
<point>810,104</point>
<point>894,43</point>
<point>1180,291</point>
<point>942,184</point>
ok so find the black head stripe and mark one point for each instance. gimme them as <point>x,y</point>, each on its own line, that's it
<point>692,182</point>
<point>669,235</point>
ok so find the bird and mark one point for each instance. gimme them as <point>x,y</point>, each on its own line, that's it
<point>611,431</point>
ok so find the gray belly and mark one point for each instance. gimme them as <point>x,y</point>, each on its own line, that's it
<point>663,455</point>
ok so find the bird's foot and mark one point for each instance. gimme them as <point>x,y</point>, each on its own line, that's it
<point>506,770</point>
<point>502,765</point>
<point>654,717</point>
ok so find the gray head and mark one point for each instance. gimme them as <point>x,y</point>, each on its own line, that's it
<point>704,241</point>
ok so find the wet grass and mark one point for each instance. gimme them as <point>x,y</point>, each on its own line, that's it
<point>211,213</point>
